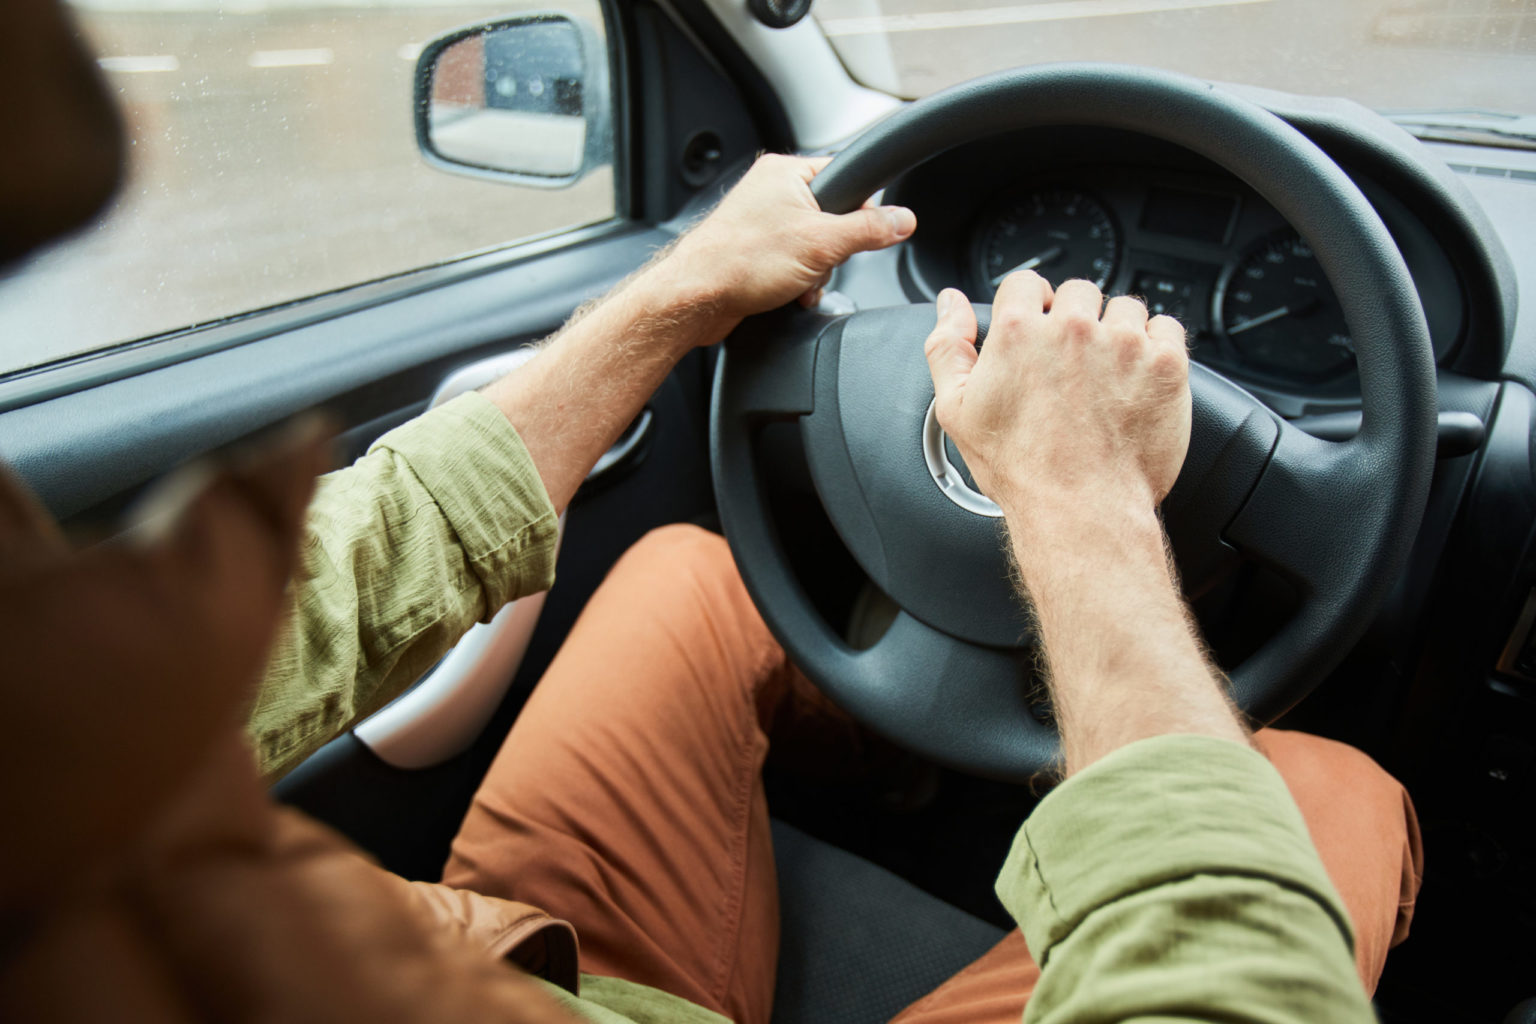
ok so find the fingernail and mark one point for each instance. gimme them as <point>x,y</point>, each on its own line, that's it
<point>946,300</point>
<point>903,221</point>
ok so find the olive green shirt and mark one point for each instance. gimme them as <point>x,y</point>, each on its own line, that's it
<point>1172,880</point>
<point>438,526</point>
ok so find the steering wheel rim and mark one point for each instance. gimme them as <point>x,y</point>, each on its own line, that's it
<point>1337,518</point>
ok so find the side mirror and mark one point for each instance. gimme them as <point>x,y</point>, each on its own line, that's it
<point>522,99</point>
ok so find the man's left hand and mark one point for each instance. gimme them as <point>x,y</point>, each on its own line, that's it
<point>768,242</point>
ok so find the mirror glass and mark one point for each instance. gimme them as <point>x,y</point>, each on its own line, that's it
<point>512,99</point>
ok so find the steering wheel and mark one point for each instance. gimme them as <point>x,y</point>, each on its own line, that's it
<point>949,678</point>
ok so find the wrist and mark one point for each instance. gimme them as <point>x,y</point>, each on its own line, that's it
<point>1111,528</point>
<point>1044,512</point>
<point>686,296</point>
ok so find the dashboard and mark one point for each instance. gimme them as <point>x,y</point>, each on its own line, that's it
<point>1139,217</point>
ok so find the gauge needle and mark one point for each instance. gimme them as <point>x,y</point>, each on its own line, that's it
<point>1029,264</point>
<point>1262,318</point>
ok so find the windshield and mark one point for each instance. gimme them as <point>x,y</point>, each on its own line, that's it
<point>1387,54</point>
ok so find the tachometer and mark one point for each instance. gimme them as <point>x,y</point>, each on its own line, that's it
<point>1280,313</point>
<point>1061,233</point>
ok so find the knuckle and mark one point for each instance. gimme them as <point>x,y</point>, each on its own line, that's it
<point>946,409</point>
<point>819,255</point>
<point>1008,319</point>
<point>1128,341</point>
<point>1134,303</point>
<point>876,224</point>
<point>1170,364</point>
<point>1165,325</point>
<point>1079,326</point>
<point>943,337</point>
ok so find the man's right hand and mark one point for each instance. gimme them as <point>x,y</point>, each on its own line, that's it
<point>1063,407</point>
<point>1076,424</point>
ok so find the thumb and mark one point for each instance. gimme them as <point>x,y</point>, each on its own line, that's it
<point>951,352</point>
<point>868,227</point>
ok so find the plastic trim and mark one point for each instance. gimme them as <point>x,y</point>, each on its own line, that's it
<point>824,105</point>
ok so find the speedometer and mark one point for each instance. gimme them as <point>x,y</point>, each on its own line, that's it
<point>1059,232</point>
<point>1280,313</point>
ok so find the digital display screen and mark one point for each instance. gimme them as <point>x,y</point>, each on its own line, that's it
<point>1200,216</point>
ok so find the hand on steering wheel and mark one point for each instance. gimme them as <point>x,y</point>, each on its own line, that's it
<point>1063,406</point>
<point>768,242</point>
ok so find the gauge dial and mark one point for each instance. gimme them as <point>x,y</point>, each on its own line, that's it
<point>1059,232</point>
<point>1281,314</point>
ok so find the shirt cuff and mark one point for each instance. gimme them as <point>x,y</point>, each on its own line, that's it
<point>470,459</point>
<point>1158,811</point>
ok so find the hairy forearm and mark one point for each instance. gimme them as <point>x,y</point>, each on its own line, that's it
<point>1122,658</point>
<point>573,400</point>
<point>766,244</point>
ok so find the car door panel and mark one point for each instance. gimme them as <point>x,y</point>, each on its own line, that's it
<point>82,449</point>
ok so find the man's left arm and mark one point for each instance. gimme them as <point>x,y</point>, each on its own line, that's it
<point>451,516</point>
<point>765,245</point>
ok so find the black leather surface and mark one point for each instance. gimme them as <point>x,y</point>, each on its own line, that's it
<point>857,943</point>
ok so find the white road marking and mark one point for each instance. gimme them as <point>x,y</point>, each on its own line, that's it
<point>1051,10</point>
<point>291,58</point>
<point>410,51</point>
<point>140,65</point>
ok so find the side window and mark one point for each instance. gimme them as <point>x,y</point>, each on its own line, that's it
<point>273,158</point>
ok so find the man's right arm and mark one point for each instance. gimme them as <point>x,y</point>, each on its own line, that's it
<point>1171,875</point>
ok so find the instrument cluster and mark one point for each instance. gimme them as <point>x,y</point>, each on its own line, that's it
<point>1190,239</point>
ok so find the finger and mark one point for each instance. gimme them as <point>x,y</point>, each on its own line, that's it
<point>1024,291</point>
<point>813,294</point>
<point>1078,296</point>
<point>865,229</point>
<point>951,350</point>
<point>1126,310</point>
<point>807,167</point>
<point>1166,329</point>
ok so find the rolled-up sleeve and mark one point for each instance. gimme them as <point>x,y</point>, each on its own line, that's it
<point>1175,880</point>
<point>438,526</point>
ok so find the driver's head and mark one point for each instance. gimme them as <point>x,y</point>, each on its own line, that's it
<point>63,139</point>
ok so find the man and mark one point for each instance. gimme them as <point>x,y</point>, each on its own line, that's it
<point>148,876</point>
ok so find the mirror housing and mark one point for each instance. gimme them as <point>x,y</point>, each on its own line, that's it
<point>522,99</point>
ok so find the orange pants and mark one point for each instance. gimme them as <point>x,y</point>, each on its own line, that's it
<point>628,799</point>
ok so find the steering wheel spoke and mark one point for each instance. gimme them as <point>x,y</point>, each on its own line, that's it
<point>964,704</point>
<point>1308,509</point>
<point>773,363</point>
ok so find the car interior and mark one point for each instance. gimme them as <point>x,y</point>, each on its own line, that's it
<point>1354,528</point>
